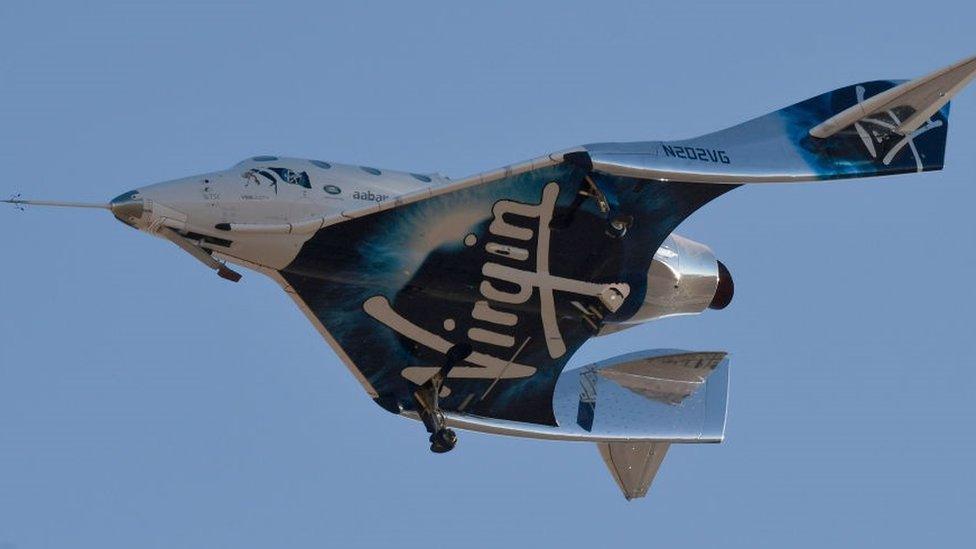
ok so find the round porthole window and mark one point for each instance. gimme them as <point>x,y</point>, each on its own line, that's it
<point>332,189</point>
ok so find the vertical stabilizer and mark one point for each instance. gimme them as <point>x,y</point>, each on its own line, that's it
<point>633,464</point>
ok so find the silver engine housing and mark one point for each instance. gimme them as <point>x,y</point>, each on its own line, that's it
<point>685,278</point>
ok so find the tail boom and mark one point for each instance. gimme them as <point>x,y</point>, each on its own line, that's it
<point>870,129</point>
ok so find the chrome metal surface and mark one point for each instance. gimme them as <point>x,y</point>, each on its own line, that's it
<point>682,280</point>
<point>667,379</point>
<point>753,161</point>
<point>620,414</point>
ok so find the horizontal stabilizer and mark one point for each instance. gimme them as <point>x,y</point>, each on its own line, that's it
<point>633,464</point>
<point>923,97</point>
<point>657,395</point>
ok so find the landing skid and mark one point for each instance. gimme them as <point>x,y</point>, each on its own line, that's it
<point>427,398</point>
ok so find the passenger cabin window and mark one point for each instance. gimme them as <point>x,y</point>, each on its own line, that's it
<point>323,165</point>
<point>373,171</point>
<point>420,177</point>
<point>265,158</point>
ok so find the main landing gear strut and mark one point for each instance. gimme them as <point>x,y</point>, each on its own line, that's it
<point>617,225</point>
<point>427,398</point>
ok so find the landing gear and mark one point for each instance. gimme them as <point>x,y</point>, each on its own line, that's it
<point>443,441</point>
<point>427,399</point>
<point>618,225</point>
<point>587,191</point>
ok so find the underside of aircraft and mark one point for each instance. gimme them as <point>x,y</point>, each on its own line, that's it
<point>460,303</point>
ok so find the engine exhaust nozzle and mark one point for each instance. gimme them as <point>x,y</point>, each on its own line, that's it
<point>725,289</point>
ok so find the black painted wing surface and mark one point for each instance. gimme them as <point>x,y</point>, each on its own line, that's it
<point>523,267</point>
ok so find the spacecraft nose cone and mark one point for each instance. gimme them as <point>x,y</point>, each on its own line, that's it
<point>128,208</point>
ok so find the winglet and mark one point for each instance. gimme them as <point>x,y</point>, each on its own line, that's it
<point>925,96</point>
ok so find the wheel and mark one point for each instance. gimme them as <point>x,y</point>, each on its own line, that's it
<point>618,226</point>
<point>443,441</point>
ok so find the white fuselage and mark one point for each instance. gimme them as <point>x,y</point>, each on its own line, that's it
<point>260,194</point>
<point>261,211</point>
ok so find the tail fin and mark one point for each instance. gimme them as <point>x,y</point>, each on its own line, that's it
<point>874,128</point>
<point>633,464</point>
<point>870,144</point>
<point>922,98</point>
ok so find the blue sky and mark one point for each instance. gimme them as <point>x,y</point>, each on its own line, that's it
<point>145,403</point>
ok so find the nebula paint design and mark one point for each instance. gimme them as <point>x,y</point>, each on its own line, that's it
<point>507,267</point>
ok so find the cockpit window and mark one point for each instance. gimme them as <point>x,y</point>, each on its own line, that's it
<point>264,158</point>
<point>367,169</point>
<point>323,165</point>
<point>420,177</point>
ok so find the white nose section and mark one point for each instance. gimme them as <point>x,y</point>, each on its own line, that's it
<point>133,210</point>
<point>147,215</point>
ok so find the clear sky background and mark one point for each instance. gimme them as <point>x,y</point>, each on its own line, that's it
<point>146,403</point>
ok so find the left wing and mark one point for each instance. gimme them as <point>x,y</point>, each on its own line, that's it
<point>524,266</point>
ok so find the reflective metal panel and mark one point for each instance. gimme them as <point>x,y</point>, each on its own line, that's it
<point>682,280</point>
<point>619,413</point>
<point>668,379</point>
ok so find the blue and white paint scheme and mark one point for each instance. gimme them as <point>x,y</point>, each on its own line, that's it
<point>459,303</point>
